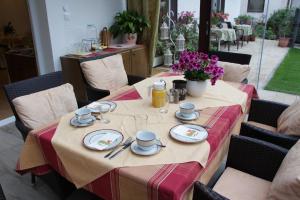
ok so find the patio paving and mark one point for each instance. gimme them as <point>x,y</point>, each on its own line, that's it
<point>272,57</point>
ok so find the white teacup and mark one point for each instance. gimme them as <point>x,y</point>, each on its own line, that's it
<point>83,115</point>
<point>146,140</point>
<point>187,109</point>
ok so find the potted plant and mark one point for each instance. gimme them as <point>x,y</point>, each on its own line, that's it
<point>217,18</point>
<point>284,31</point>
<point>129,24</point>
<point>197,69</point>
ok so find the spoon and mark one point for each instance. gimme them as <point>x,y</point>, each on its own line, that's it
<point>114,149</point>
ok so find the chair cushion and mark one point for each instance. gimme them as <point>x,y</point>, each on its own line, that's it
<point>237,185</point>
<point>286,183</point>
<point>106,73</point>
<point>289,121</point>
<point>263,126</point>
<point>234,72</point>
<point>40,108</point>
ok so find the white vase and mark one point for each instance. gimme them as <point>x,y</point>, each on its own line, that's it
<point>196,88</point>
<point>130,38</point>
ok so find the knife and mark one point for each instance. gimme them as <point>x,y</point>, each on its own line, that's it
<point>114,149</point>
<point>125,147</point>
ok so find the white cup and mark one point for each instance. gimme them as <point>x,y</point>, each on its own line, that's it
<point>146,140</point>
<point>187,109</point>
<point>83,115</point>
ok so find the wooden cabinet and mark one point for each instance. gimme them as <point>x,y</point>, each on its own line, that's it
<point>134,59</point>
<point>136,62</point>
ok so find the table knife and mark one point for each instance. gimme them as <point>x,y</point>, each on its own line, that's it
<point>125,147</point>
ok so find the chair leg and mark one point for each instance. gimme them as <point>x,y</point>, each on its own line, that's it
<point>33,179</point>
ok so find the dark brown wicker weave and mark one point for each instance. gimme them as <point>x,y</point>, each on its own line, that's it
<point>267,112</point>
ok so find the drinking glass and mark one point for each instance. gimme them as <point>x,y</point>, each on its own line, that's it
<point>165,108</point>
<point>104,109</point>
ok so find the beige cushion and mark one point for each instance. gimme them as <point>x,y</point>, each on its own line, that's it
<point>286,183</point>
<point>289,121</point>
<point>107,73</point>
<point>263,126</point>
<point>234,72</point>
<point>40,108</point>
<point>237,185</point>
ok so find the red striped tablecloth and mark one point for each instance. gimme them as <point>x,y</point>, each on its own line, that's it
<point>166,182</point>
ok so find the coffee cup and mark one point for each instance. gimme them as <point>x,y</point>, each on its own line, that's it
<point>83,115</point>
<point>146,140</point>
<point>187,109</point>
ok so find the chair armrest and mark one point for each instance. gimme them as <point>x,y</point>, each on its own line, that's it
<point>202,192</point>
<point>134,79</point>
<point>265,112</point>
<point>95,94</point>
<point>258,158</point>
<point>285,141</point>
<point>22,128</point>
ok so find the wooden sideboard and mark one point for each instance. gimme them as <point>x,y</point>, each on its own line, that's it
<point>135,62</point>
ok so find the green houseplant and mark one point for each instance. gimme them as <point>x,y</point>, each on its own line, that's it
<point>244,19</point>
<point>129,24</point>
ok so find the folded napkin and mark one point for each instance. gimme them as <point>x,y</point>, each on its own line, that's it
<point>190,133</point>
<point>104,141</point>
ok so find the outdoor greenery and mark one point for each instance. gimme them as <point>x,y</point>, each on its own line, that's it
<point>128,22</point>
<point>244,19</point>
<point>281,22</point>
<point>286,78</point>
<point>259,32</point>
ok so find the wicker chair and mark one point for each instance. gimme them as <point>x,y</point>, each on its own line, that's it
<point>2,197</point>
<point>267,113</point>
<point>61,186</point>
<point>250,156</point>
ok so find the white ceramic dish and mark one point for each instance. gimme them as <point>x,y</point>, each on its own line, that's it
<point>193,116</point>
<point>139,151</point>
<point>91,139</point>
<point>201,136</point>
<point>93,106</point>
<point>76,123</point>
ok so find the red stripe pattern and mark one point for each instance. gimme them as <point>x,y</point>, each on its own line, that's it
<point>171,181</point>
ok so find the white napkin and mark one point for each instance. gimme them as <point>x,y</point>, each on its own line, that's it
<point>104,141</point>
<point>187,132</point>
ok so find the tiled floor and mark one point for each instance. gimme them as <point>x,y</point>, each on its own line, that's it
<point>15,186</point>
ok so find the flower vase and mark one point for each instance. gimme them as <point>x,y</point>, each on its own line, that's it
<point>130,38</point>
<point>196,88</point>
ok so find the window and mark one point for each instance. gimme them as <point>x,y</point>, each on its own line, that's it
<point>256,5</point>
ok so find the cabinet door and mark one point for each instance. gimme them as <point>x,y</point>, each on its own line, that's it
<point>139,62</point>
<point>127,61</point>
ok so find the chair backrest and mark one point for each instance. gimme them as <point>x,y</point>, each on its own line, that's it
<point>29,86</point>
<point>214,37</point>
<point>229,25</point>
<point>239,33</point>
<point>243,59</point>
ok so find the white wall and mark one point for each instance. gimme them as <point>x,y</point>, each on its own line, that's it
<point>65,31</point>
<point>296,3</point>
<point>233,8</point>
<point>189,5</point>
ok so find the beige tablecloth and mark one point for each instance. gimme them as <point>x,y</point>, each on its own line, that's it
<point>221,94</point>
<point>83,165</point>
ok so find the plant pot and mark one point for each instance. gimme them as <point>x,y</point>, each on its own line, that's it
<point>283,42</point>
<point>196,88</point>
<point>130,38</point>
<point>252,38</point>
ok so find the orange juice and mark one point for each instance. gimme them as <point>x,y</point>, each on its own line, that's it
<point>159,94</point>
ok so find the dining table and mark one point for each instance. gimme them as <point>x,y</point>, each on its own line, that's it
<point>225,34</point>
<point>171,173</point>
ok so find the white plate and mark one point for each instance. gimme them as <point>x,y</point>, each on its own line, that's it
<point>193,116</point>
<point>91,139</point>
<point>202,131</point>
<point>95,104</point>
<point>76,123</point>
<point>137,150</point>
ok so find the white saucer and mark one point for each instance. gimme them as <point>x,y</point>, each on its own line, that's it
<point>93,106</point>
<point>203,134</point>
<point>76,123</point>
<point>193,116</point>
<point>137,150</point>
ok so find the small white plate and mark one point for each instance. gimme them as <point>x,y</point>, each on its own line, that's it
<point>186,139</point>
<point>137,150</point>
<point>193,116</point>
<point>76,123</point>
<point>93,106</point>
<point>91,139</point>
